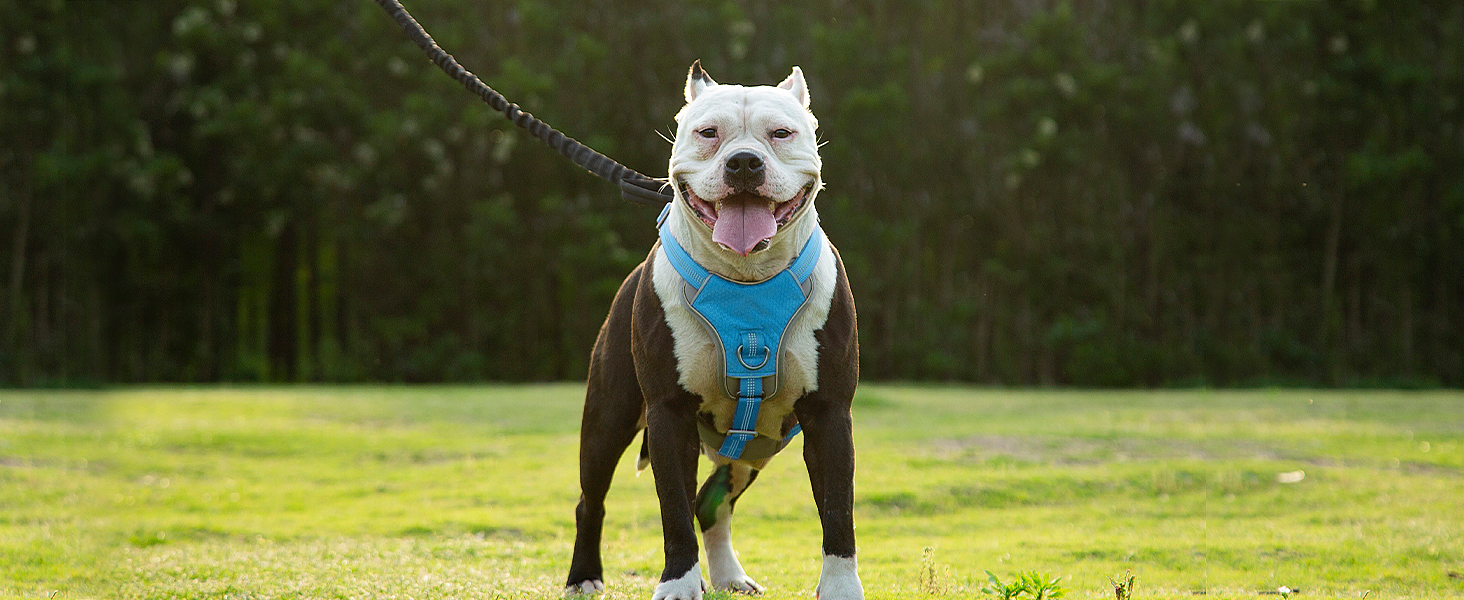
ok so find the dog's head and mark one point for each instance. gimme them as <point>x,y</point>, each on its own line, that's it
<point>745,161</point>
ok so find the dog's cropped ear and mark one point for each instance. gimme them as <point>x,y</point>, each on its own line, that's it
<point>697,81</point>
<point>795,84</point>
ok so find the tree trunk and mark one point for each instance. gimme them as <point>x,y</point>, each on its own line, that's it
<point>1329,273</point>
<point>17,265</point>
<point>282,309</point>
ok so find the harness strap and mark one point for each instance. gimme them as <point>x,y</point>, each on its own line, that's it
<point>756,449</point>
<point>802,266</point>
<point>744,421</point>
<point>681,260</point>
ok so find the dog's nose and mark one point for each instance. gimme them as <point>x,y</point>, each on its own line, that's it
<point>744,168</point>
<point>744,163</point>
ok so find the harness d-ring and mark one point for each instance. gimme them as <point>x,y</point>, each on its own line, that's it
<point>766,356</point>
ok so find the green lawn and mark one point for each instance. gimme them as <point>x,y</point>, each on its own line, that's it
<point>468,492</point>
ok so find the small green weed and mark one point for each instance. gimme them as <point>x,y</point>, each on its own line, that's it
<point>1123,587</point>
<point>1037,586</point>
<point>1043,588</point>
<point>1004,591</point>
<point>932,574</point>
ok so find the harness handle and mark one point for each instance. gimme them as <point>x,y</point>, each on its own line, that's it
<point>634,186</point>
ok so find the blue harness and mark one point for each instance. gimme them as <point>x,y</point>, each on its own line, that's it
<point>747,321</point>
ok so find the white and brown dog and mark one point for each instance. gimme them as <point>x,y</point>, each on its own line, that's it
<point>745,168</point>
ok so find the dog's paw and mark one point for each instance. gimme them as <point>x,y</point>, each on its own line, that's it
<point>687,587</point>
<point>722,565</point>
<point>585,588</point>
<point>741,584</point>
<point>839,580</point>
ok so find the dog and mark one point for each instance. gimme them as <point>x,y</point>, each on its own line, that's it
<point>741,238</point>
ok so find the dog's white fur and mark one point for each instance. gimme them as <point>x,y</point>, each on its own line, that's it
<point>686,587</point>
<point>745,118</point>
<point>722,564</point>
<point>585,588</point>
<point>840,579</point>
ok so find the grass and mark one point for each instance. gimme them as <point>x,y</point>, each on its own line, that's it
<point>468,492</point>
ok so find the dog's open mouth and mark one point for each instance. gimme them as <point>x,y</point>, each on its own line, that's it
<point>744,222</point>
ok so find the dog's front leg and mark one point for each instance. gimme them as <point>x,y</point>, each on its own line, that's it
<point>828,451</point>
<point>673,445</point>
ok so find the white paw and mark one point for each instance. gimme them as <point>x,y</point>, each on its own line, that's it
<point>839,580</point>
<point>588,586</point>
<point>686,587</point>
<point>742,584</point>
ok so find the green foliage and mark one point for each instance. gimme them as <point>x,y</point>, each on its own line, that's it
<point>1161,193</point>
<point>1041,587</point>
<point>1028,584</point>
<point>932,574</point>
<point>1003,591</point>
<point>1123,587</point>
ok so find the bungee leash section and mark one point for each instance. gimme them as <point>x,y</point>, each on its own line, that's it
<point>634,186</point>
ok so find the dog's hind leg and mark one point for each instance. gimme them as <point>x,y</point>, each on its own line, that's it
<point>614,408</point>
<point>714,504</point>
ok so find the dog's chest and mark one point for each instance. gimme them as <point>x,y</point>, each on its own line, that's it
<point>699,362</point>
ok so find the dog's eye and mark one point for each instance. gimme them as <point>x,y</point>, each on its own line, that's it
<point>782,134</point>
<point>708,133</point>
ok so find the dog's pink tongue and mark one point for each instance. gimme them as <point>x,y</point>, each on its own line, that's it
<point>741,225</point>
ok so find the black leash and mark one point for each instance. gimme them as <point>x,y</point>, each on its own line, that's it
<point>634,186</point>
